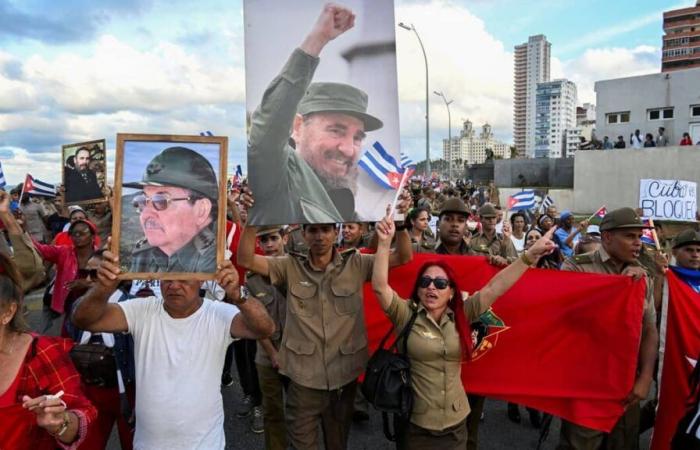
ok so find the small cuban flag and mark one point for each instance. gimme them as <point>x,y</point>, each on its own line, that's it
<point>523,200</point>
<point>382,167</point>
<point>648,233</point>
<point>3,183</point>
<point>34,186</point>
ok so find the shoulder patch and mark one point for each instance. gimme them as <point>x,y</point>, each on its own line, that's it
<point>585,258</point>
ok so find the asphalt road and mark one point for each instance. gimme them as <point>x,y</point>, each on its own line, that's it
<point>496,431</point>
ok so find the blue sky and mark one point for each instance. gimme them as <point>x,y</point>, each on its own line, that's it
<point>81,70</point>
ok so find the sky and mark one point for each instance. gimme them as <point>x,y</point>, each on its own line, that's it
<point>80,70</point>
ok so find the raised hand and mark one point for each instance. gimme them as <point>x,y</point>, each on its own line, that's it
<point>227,277</point>
<point>385,228</point>
<point>333,21</point>
<point>544,245</point>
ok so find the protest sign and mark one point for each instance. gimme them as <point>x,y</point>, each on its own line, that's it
<point>170,206</point>
<point>84,168</point>
<point>668,199</point>
<point>328,74</point>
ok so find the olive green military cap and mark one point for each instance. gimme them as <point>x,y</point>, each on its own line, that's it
<point>454,205</point>
<point>487,210</point>
<point>687,237</point>
<point>268,230</point>
<point>621,218</point>
<point>338,98</point>
<point>180,167</point>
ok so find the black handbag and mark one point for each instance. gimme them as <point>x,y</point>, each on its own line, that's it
<point>95,363</point>
<point>685,437</point>
<point>387,383</point>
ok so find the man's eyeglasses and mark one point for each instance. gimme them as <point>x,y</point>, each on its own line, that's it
<point>439,282</point>
<point>159,202</point>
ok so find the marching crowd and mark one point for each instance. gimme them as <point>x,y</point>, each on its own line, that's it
<point>128,353</point>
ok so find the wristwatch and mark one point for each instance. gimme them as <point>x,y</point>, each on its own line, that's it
<point>64,426</point>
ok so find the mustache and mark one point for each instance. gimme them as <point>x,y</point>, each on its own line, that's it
<point>152,224</point>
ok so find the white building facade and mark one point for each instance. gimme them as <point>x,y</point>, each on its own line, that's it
<point>469,148</point>
<point>531,66</point>
<point>555,114</point>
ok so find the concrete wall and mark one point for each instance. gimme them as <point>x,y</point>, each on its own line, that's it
<point>678,89</point>
<point>544,172</point>
<point>612,177</point>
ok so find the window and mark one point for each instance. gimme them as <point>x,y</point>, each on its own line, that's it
<point>695,111</point>
<point>618,117</point>
<point>660,114</point>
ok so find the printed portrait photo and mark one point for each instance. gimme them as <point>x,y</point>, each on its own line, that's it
<point>84,172</point>
<point>170,205</point>
<point>322,108</point>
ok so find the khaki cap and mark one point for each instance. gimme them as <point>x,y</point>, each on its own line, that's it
<point>621,218</point>
<point>487,210</point>
<point>686,237</point>
<point>339,98</point>
<point>454,205</point>
<point>268,230</point>
<point>180,167</point>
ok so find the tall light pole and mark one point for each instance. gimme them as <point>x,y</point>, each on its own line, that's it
<point>449,132</point>
<point>427,95</point>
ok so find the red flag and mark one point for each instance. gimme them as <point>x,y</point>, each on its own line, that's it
<point>512,202</point>
<point>601,212</point>
<point>564,343</point>
<point>682,314</point>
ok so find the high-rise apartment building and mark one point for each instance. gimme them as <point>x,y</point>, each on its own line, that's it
<point>468,148</point>
<point>531,67</point>
<point>681,40</point>
<point>555,114</point>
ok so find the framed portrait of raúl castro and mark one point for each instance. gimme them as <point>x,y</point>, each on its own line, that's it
<point>84,169</point>
<point>169,206</point>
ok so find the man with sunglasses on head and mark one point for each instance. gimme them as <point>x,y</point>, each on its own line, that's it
<point>177,212</point>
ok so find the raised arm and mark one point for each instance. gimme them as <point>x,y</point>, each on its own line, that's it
<point>92,312</point>
<point>380,272</point>
<point>246,256</point>
<point>6,215</point>
<point>253,322</point>
<point>507,277</point>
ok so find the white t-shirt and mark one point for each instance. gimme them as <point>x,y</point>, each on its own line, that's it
<point>178,374</point>
<point>519,244</point>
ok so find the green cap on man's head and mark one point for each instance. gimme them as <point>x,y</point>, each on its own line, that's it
<point>687,237</point>
<point>338,98</point>
<point>180,167</point>
<point>621,218</point>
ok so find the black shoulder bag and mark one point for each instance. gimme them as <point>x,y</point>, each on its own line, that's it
<point>685,437</point>
<point>387,384</point>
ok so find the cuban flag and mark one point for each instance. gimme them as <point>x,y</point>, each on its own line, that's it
<point>206,133</point>
<point>523,200</point>
<point>647,233</point>
<point>601,212</point>
<point>237,176</point>
<point>34,186</point>
<point>547,201</point>
<point>3,183</point>
<point>382,167</point>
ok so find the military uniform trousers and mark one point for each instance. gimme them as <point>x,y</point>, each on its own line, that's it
<point>306,405</point>
<point>412,437</point>
<point>624,436</point>
<point>476,402</point>
<point>272,386</point>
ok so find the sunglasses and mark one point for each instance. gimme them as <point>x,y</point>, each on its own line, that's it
<point>439,282</point>
<point>160,202</point>
<point>78,233</point>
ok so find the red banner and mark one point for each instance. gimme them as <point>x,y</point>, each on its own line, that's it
<point>680,353</point>
<point>564,343</point>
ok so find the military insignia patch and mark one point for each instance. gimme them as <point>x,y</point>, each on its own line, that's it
<point>485,332</point>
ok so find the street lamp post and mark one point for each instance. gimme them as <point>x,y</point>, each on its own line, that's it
<point>449,132</point>
<point>427,95</point>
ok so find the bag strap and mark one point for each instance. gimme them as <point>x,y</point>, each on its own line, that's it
<point>404,334</point>
<point>387,429</point>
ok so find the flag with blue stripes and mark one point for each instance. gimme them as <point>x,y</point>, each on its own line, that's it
<point>35,186</point>
<point>206,133</point>
<point>3,183</point>
<point>546,203</point>
<point>239,171</point>
<point>407,162</point>
<point>523,200</point>
<point>381,167</point>
<point>647,234</point>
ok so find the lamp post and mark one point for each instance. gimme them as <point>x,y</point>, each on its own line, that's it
<point>449,132</point>
<point>427,95</point>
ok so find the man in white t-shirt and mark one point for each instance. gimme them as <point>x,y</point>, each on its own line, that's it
<point>180,342</point>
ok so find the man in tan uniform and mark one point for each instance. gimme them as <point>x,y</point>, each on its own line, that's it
<point>498,247</point>
<point>621,243</point>
<point>324,344</point>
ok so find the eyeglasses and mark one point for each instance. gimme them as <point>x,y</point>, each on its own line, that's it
<point>439,282</point>
<point>78,233</point>
<point>159,202</point>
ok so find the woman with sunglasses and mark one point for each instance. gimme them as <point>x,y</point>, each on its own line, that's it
<point>440,338</point>
<point>552,260</point>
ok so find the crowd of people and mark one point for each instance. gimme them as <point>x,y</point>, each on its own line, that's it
<point>637,141</point>
<point>296,332</point>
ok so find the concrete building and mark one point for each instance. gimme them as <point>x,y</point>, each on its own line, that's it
<point>585,120</point>
<point>681,40</point>
<point>571,141</point>
<point>532,66</point>
<point>647,102</point>
<point>472,149</point>
<point>555,113</point>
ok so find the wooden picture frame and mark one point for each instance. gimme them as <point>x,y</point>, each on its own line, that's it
<point>82,190</point>
<point>136,160</point>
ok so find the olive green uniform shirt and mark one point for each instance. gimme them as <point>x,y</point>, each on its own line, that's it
<point>287,190</point>
<point>439,400</point>
<point>198,255</point>
<point>600,261</point>
<point>275,301</point>
<point>496,246</point>
<point>324,344</point>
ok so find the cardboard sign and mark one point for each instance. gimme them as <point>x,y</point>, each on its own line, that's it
<point>322,102</point>
<point>668,199</point>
